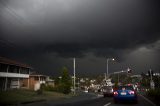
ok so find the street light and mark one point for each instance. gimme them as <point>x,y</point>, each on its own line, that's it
<point>108,59</point>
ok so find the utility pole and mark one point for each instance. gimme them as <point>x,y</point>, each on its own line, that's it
<point>105,76</point>
<point>118,78</point>
<point>107,67</point>
<point>152,85</point>
<point>74,72</point>
<point>108,59</point>
<point>150,71</point>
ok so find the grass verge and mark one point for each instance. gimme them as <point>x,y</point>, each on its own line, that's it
<point>154,95</point>
<point>14,97</point>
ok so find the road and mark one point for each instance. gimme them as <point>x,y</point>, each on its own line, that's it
<point>108,101</point>
<point>91,101</point>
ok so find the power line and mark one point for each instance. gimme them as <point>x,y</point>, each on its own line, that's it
<point>19,18</point>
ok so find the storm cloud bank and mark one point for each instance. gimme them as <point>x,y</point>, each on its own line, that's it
<point>76,28</point>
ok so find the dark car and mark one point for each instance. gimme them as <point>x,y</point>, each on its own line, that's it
<point>107,91</point>
<point>125,93</point>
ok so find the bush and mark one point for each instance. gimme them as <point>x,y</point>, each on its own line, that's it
<point>49,88</point>
<point>64,88</point>
<point>39,92</point>
<point>154,94</point>
<point>42,88</point>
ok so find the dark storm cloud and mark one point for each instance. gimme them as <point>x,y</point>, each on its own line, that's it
<point>74,28</point>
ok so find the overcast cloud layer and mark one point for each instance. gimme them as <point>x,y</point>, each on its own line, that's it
<point>47,34</point>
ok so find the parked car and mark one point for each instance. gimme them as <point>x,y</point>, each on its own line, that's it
<point>107,91</point>
<point>125,93</point>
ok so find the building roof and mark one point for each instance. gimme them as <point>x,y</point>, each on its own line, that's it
<point>13,62</point>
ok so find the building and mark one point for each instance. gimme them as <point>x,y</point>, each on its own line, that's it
<point>50,82</point>
<point>13,74</point>
<point>35,81</point>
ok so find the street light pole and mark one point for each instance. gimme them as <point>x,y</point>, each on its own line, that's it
<point>107,64</point>
<point>74,72</point>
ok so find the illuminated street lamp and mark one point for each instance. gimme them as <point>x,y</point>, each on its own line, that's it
<point>108,59</point>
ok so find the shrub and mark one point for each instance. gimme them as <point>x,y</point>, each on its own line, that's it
<point>42,88</point>
<point>39,92</point>
<point>154,94</point>
<point>64,88</point>
<point>49,88</point>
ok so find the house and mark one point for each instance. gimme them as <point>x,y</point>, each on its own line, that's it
<point>50,82</point>
<point>13,74</point>
<point>35,81</point>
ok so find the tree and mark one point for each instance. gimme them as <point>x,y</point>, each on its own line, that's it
<point>65,83</point>
<point>145,82</point>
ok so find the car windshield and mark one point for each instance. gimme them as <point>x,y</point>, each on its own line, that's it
<point>125,87</point>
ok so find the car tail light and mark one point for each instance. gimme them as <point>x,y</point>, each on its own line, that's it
<point>131,92</point>
<point>115,93</point>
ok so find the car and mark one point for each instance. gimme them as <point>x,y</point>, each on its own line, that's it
<point>107,91</point>
<point>125,93</point>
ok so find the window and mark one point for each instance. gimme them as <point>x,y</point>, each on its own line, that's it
<point>13,69</point>
<point>3,67</point>
<point>24,70</point>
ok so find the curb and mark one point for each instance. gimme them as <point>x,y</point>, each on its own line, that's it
<point>42,100</point>
<point>19,103</point>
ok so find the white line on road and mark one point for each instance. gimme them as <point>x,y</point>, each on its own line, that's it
<point>107,104</point>
<point>147,100</point>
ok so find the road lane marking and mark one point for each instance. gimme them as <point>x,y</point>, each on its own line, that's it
<point>147,100</point>
<point>107,104</point>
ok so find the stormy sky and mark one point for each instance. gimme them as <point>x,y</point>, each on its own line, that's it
<point>47,34</point>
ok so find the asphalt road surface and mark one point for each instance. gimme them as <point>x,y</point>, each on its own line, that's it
<point>92,101</point>
<point>108,101</point>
